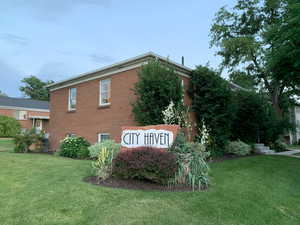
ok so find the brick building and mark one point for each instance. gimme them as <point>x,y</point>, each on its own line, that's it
<point>30,113</point>
<point>97,104</point>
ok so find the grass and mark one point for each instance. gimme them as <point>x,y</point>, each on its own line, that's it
<point>297,147</point>
<point>44,189</point>
<point>6,144</point>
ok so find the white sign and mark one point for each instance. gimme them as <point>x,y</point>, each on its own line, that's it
<point>147,138</point>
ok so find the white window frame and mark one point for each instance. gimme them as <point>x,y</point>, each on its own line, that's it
<point>100,134</point>
<point>19,112</point>
<point>70,135</point>
<point>69,100</point>
<point>100,92</point>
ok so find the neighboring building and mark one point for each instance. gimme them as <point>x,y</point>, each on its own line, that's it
<point>294,137</point>
<point>97,104</point>
<point>30,113</point>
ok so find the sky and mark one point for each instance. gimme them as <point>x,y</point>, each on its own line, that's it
<point>58,39</point>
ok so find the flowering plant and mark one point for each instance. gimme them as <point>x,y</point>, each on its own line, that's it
<point>74,147</point>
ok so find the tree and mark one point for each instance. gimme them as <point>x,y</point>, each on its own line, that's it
<point>243,79</point>
<point>35,88</point>
<point>247,37</point>
<point>255,120</point>
<point>158,85</point>
<point>211,102</point>
<point>2,94</point>
<point>9,126</point>
<point>284,57</point>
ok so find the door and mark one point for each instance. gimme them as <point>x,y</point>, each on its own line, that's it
<point>38,125</point>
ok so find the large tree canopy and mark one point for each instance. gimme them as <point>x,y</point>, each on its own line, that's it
<point>261,38</point>
<point>35,88</point>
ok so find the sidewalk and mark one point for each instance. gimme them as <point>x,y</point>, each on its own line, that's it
<point>290,153</point>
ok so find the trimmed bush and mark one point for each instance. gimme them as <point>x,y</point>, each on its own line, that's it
<point>145,164</point>
<point>212,102</point>
<point>255,119</point>
<point>157,86</point>
<point>110,145</point>
<point>74,147</point>
<point>279,146</point>
<point>238,148</point>
<point>9,127</point>
<point>29,140</point>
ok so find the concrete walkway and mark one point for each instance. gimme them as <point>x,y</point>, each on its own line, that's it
<point>290,152</point>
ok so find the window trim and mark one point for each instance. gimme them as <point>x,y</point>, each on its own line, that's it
<point>70,135</point>
<point>100,94</point>
<point>17,115</point>
<point>69,100</point>
<point>99,136</point>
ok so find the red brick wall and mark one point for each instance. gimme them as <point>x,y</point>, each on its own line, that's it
<point>27,124</point>
<point>89,119</point>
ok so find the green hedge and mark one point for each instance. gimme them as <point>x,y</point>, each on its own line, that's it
<point>74,147</point>
<point>9,127</point>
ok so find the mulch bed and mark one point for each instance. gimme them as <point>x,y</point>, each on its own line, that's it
<point>136,185</point>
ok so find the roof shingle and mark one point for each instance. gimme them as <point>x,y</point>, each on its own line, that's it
<point>24,103</point>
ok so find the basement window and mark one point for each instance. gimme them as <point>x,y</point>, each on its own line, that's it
<point>71,135</point>
<point>103,136</point>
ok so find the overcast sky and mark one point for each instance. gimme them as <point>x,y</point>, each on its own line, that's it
<point>57,39</point>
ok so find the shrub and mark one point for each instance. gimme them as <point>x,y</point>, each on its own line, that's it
<point>103,165</point>
<point>192,167</point>
<point>74,147</point>
<point>279,146</point>
<point>238,148</point>
<point>145,164</point>
<point>110,145</point>
<point>29,139</point>
<point>158,85</point>
<point>211,102</point>
<point>255,119</point>
<point>9,127</point>
<point>191,159</point>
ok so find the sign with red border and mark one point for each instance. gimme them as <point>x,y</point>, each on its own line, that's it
<point>156,136</point>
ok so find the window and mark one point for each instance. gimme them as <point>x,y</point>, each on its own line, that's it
<point>182,85</point>
<point>21,115</point>
<point>103,136</point>
<point>72,98</point>
<point>70,135</point>
<point>105,92</point>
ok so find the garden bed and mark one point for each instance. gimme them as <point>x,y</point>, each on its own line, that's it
<point>136,185</point>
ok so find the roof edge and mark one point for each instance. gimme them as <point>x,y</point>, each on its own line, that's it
<point>23,108</point>
<point>116,66</point>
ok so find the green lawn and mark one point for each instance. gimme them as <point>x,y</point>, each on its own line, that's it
<point>44,189</point>
<point>294,147</point>
<point>6,144</point>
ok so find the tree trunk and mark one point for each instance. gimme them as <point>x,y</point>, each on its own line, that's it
<point>275,103</point>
